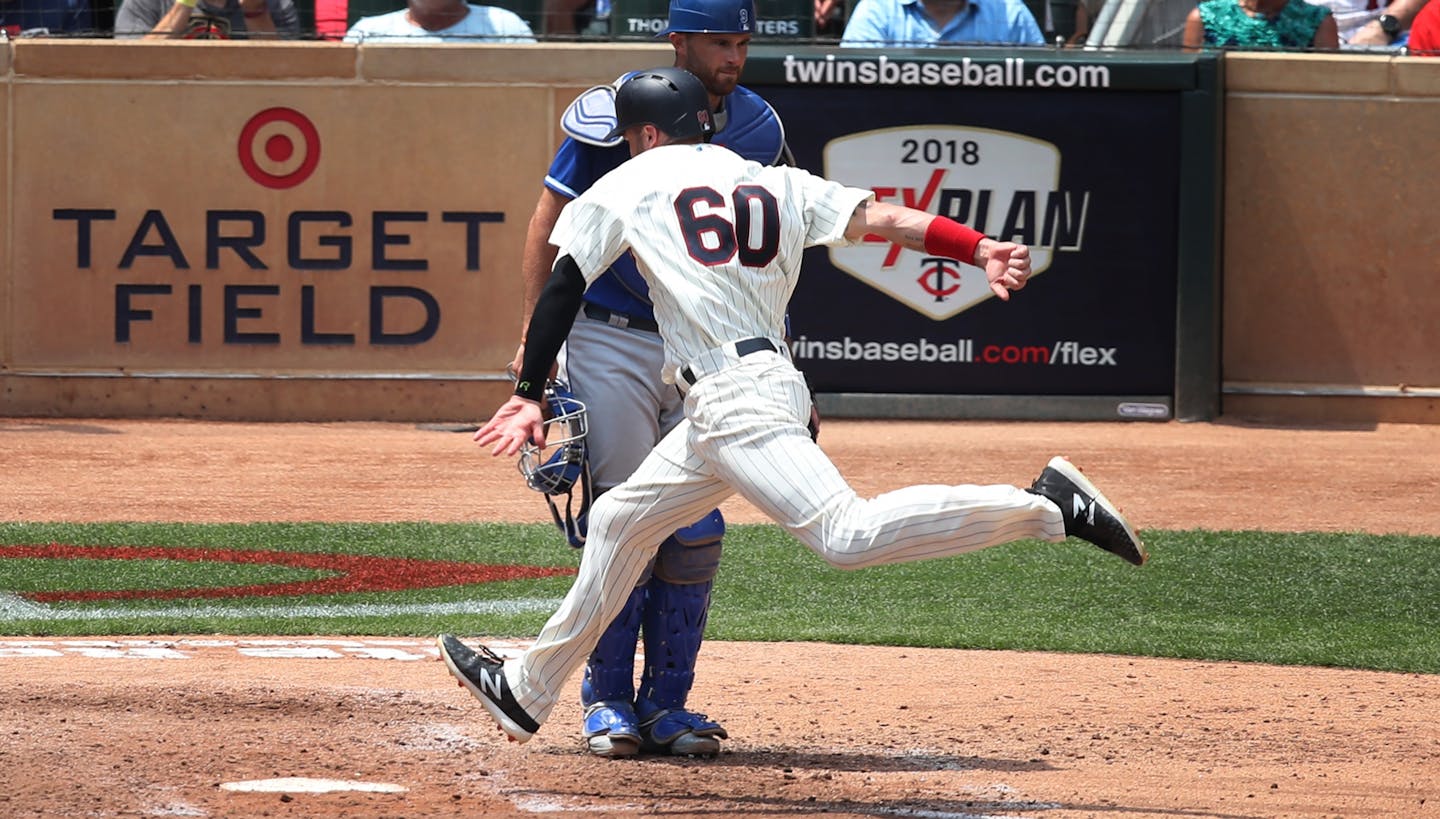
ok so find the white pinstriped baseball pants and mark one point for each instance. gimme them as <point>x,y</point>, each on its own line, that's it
<point>745,432</point>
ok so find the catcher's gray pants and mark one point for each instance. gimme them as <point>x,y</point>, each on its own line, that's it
<point>616,372</point>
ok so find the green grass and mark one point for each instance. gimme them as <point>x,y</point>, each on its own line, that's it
<point>81,574</point>
<point>1347,600</point>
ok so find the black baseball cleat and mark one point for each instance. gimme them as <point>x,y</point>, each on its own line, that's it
<point>681,733</point>
<point>1088,514</point>
<point>483,673</point>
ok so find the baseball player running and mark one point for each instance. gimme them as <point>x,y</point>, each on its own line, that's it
<point>612,362</point>
<point>719,241</point>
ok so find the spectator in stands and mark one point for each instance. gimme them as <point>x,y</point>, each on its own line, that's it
<point>1372,25</point>
<point>877,23</point>
<point>332,19</point>
<point>1065,22</point>
<point>1156,24</point>
<point>577,18</point>
<point>829,18</point>
<point>36,18</point>
<point>207,19</point>
<point>1276,24</point>
<point>1425,32</point>
<point>437,21</point>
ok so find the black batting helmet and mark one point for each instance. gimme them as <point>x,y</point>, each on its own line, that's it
<point>671,99</point>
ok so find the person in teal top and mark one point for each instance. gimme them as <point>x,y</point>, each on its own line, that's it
<point>1278,24</point>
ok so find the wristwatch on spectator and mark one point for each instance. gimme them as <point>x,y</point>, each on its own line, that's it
<point>1390,24</point>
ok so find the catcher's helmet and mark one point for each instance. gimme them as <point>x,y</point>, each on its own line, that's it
<point>566,425</point>
<point>711,17</point>
<point>567,464</point>
<point>671,99</point>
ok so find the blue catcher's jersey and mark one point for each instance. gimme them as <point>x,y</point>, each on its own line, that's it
<point>746,125</point>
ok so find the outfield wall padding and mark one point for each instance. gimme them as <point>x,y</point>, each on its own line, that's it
<point>316,231</point>
<point>1331,255</point>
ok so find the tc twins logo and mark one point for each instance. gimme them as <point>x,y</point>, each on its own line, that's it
<point>939,276</point>
<point>1002,184</point>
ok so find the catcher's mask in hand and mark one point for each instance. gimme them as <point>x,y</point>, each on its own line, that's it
<point>562,464</point>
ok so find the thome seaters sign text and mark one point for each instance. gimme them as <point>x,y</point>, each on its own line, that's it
<point>1063,172</point>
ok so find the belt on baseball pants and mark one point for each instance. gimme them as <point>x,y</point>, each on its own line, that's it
<point>721,357</point>
<point>620,320</point>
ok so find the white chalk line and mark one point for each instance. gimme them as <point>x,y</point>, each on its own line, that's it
<point>185,648</point>
<point>15,607</point>
<point>305,784</point>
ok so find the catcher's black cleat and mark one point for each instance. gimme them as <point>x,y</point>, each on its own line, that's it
<point>1088,514</point>
<point>678,732</point>
<point>483,673</point>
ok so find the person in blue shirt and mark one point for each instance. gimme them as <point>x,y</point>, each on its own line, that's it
<point>906,23</point>
<point>19,18</point>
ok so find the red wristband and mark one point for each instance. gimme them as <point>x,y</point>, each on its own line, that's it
<point>947,237</point>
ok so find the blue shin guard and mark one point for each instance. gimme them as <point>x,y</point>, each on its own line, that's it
<point>674,622</point>
<point>607,691</point>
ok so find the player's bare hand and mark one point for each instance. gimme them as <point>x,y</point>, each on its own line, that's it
<point>1007,266</point>
<point>518,420</point>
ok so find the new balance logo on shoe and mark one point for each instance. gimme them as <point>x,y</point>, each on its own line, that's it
<point>492,683</point>
<point>483,674</point>
<point>1087,513</point>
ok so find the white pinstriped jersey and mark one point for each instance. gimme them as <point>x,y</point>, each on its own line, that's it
<point>718,238</point>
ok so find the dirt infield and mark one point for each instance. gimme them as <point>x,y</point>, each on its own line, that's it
<point>163,726</point>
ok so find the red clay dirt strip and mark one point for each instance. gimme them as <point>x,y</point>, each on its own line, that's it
<point>351,573</point>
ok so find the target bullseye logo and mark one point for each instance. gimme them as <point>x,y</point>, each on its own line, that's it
<point>279,148</point>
